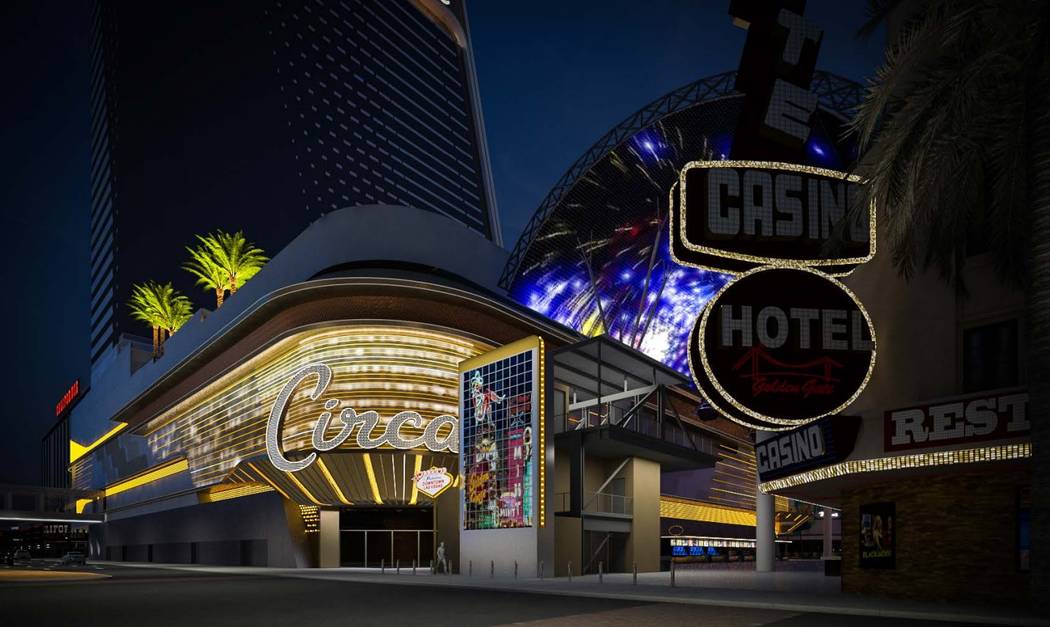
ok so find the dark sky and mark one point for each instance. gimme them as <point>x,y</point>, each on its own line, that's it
<point>555,75</point>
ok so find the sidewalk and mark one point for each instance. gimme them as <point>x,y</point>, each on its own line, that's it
<point>786,591</point>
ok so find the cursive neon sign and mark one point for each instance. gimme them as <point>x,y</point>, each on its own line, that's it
<point>364,423</point>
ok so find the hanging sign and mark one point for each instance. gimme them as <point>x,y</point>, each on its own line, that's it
<point>782,347</point>
<point>432,481</point>
<point>733,216</point>
<point>826,441</point>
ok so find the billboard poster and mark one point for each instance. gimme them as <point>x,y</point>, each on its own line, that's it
<point>498,425</point>
<point>878,535</point>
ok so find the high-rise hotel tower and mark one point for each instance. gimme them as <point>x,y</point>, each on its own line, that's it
<point>263,115</point>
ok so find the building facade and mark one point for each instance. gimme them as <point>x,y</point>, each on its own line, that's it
<point>263,116</point>
<point>935,480</point>
<point>373,394</point>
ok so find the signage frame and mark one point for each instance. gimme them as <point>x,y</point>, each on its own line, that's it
<point>716,395</point>
<point>706,257</point>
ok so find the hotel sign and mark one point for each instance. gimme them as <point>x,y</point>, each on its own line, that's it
<point>365,423</point>
<point>782,347</point>
<point>961,420</point>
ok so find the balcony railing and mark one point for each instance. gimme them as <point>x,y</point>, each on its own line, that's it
<point>597,503</point>
<point>641,417</point>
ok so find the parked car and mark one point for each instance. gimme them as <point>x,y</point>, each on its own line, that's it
<point>73,558</point>
<point>22,558</point>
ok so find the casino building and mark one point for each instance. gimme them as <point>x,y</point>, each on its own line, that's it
<point>399,328</point>
<point>393,381</point>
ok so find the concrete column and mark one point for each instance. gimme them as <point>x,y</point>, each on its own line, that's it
<point>328,542</point>
<point>765,531</point>
<point>828,545</point>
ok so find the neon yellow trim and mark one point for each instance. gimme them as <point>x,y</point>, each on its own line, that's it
<point>154,474</point>
<point>78,450</point>
<point>299,484</point>
<point>415,490</point>
<point>372,479</point>
<point>81,504</point>
<point>541,446</point>
<point>331,480</point>
<point>267,480</point>
<point>688,509</point>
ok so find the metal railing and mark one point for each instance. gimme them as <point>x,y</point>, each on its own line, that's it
<point>638,417</point>
<point>597,503</point>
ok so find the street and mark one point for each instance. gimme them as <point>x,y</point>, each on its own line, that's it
<point>160,597</point>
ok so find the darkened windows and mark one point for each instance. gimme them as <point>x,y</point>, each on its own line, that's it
<point>990,358</point>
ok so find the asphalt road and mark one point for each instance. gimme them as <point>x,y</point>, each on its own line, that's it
<point>159,597</point>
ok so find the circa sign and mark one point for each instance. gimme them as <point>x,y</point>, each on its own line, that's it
<point>783,347</point>
<point>365,423</point>
<point>956,421</point>
<point>735,215</point>
<point>826,441</point>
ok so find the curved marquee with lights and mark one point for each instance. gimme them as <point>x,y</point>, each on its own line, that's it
<point>595,255</point>
<point>382,369</point>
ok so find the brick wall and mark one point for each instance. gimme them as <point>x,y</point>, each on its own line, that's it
<point>956,537</point>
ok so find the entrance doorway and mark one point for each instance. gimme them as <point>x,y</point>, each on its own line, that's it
<point>373,537</point>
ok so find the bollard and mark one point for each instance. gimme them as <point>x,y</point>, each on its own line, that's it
<point>634,573</point>
<point>397,565</point>
<point>515,569</point>
<point>600,567</point>
<point>540,571</point>
<point>492,569</point>
<point>449,569</point>
<point>413,568</point>
<point>570,572</point>
<point>382,566</point>
<point>672,573</point>
<point>470,568</point>
<point>432,571</point>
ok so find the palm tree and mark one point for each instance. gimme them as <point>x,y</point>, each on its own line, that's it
<point>160,306</point>
<point>209,274</point>
<point>955,130</point>
<point>233,256</point>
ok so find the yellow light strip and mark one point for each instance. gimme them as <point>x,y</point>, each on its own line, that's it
<point>299,484</point>
<point>541,449</point>
<point>900,462</point>
<point>81,504</point>
<point>332,481</point>
<point>415,491</point>
<point>687,509</point>
<point>154,474</point>
<point>370,471</point>
<point>234,492</point>
<point>78,450</point>
<point>264,478</point>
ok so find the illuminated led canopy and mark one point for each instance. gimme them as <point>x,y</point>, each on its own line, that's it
<point>394,370</point>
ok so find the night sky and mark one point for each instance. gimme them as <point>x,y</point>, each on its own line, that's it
<point>555,75</point>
